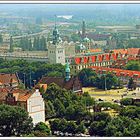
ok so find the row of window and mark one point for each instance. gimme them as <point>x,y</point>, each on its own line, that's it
<point>52,51</point>
<point>58,51</point>
<point>93,64</point>
<point>61,51</point>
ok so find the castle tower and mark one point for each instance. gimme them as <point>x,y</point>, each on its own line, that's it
<point>56,49</point>
<point>67,71</point>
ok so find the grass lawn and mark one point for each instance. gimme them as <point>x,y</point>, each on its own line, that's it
<point>110,95</point>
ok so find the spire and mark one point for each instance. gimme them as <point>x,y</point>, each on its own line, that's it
<point>56,36</point>
<point>67,71</point>
<point>55,21</point>
<point>83,29</point>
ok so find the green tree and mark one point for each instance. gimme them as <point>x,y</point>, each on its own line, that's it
<point>42,127</point>
<point>130,111</point>
<point>86,77</point>
<point>97,128</point>
<point>108,80</point>
<point>101,116</point>
<point>59,108</point>
<point>71,127</point>
<point>81,128</point>
<point>54,125</point>
<point>122,126</point>
<point>133,65</point>
<point>131,84</point>
<point>14,121</point>
<point>126,101</point>
<point>49,110</point>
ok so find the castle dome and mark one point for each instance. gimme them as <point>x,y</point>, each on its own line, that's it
<point>86,39</point>
<point>81,47</point>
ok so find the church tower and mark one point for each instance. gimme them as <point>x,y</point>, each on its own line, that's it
<point>83,29</point>
<point>56,50</point>
<point>67,71</point>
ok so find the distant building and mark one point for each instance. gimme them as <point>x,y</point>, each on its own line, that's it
<point>9,80</point>
<point>69,82</point>
<point>93,59</point>
<point>56,49</point>
<point>124,75</point>
<point>31,101</point>
<point>83,29</point>
<point>134,52</point>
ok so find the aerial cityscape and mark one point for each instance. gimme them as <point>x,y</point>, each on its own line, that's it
<point>69,70</point>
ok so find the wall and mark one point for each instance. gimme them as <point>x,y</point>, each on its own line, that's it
<point>36,107</point>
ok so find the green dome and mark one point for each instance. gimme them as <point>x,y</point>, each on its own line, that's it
<point>86,39</point>
<point>80,47</point>
<point>67,68</point>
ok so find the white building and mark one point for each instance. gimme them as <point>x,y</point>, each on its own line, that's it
<point>31,101</point>
<point>36,107</point>
<point>56,49</point>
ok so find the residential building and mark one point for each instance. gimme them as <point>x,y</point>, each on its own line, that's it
<point>9,80</point>
<point>124,75</point>
<point>69,82</point>
<point>31,101</point>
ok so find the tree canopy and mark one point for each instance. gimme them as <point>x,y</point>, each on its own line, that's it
<point>14,121</point>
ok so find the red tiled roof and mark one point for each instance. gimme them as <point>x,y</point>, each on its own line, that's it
<point>73,82</point>
<point>8,78</point>
<point>21,95</point>
<point>133,51</point>
<point>122,51</point>
<point>95,50</point>
<point>119,72</point>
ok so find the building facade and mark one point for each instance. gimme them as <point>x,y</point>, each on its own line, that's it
<point>68,82</point>
<point>56,49</point>
<point>31,101</point>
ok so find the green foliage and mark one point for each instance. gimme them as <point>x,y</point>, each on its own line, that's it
<point>97,128</point>
<point>101,116</point>
<point>109,104</point>
<point>66,103</point>
<point>42,127</point>
<point>87,77</point>
<point>123,126</point>
<point>14,121</point>
<point>130,111</point>
<point>38,69</point>
<point>133,65</point>
<point>66,126</point>
<point>126,101</point>
<point>49,110</point>
<point>59,108</point>
<point>108,80</point>
<point>131,84</point>
<point>81,128</point>
<point>54,124</point>
<point>133,43</point>
<point>39,43</point>
<point>75,112</point>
